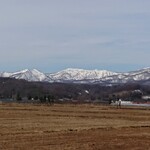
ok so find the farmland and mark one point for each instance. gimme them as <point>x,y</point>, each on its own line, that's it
<point>73,126</point>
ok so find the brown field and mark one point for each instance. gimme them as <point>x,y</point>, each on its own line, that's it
<point>73,127</point>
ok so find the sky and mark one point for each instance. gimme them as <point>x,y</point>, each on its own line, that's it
<point>52,35</point>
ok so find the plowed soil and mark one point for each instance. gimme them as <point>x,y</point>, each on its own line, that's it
<point>73,127</point>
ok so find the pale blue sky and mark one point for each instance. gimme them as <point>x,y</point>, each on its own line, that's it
<point>52,35</point>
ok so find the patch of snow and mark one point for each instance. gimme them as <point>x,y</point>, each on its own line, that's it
<point>86,91</point>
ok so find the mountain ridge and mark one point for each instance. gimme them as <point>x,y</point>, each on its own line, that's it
<point>74,75</point>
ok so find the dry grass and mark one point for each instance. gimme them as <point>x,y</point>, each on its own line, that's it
<point>93,127</point>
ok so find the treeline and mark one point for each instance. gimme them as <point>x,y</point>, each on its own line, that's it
<point>19,89</point>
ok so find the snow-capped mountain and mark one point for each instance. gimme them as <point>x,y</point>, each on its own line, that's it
<point>81,76</point>
<point>29,75</point>
<point>139,75</point>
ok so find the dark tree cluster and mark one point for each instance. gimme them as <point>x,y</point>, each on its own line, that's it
<point>49,92</point>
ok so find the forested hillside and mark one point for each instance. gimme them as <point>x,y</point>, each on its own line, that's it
<point>19,89</point>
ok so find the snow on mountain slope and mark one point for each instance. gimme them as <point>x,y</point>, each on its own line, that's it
<point>29,75</point>
<point>143,74</point>
<point>81,76</point>
<point>5,74</point>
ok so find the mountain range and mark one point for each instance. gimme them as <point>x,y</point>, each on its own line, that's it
<point>72,75</point>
